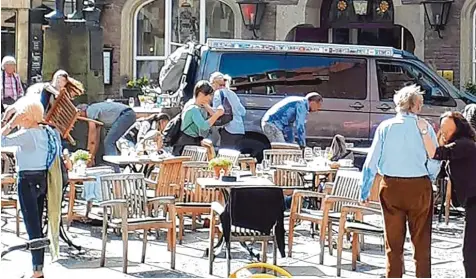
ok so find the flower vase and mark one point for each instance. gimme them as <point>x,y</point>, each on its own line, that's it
<point>217,170</point>
<point>80,167</point>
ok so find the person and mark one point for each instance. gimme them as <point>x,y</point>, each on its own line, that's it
<point>12,88</point>
<point>233,132</point>
<point>143,126</point>
<point>37,148</point>
<point>195,126</point>
<point>398,155</point>
<point>469,113</point>
<point>117,118</point>
<point>457,146</point>
<point>277,123</point>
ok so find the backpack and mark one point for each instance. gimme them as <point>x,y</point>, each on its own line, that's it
<point>176,67</point>
<point>227,117</point>
<point>172,131</point>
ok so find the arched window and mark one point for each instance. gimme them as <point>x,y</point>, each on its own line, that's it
<point>160,26</point>
<point>474,46</point>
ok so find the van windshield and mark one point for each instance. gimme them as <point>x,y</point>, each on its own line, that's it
<point>296,74</point>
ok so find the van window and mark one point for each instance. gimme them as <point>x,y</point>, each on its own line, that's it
<point>393,75</point>
<point>295,74</point>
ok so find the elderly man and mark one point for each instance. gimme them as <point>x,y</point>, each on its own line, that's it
<point>398,155</point>
<point>469,113</point>
<point>12,88</point>
<point>278,121</point>
<point>116,117</point>
<point>231,133</point>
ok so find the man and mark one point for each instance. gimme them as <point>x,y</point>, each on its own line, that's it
<point>399,156</point>
<point>12,88</point>
<point>470,114</point>
<point>233,132</point>
<point>278,121</point>
<point>117,119</point>
<point>143,127</point>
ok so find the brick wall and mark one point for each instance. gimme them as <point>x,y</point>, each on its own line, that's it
<point>111,23</point>
<point>444,54</point>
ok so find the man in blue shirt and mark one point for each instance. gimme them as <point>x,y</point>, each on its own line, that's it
<point>231,133</point>
<point>398,155</point>
<point>278,121</point>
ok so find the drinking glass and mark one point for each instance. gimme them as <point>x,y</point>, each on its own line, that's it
<point>266,165</point>
<point>308,154</point>
<point>132,102</point>
<point>259,170</point>
<point>317,151</point>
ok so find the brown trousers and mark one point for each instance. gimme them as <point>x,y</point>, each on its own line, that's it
<point>405,199</point>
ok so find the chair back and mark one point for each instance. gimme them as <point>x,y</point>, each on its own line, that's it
<point>231,154</point>
<point>191,193</point>
<point>255,207</point>
<point>63,115</point>
<point>279,156</point>
<point>208,144</point>
<point>196,153</point>
<point>346,185</point>
<point>130,187</point>
<point>288,178</point>
<point>283,145</point>
<point>169,180</point>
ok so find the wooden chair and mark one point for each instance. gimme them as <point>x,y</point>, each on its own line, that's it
<point>283,145</point>
<point>194,200</point>
<point>231,154</point>
<point>196,153</point>
<point>169,180</point>
<point>208,144</point>
<point>129,211</point>
<point>63,115</point>
<point>346,189</point>
<point>279,156</point>
<point>10,199</point>
<point>247,163</point>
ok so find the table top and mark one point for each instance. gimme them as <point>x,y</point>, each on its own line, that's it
<point>147,110</point>
<point>8,150</point>
<point>126,160</point>
<point>73,177</point>
<point>360,150</point>
<point>244,181</point>
<point>310,169</point>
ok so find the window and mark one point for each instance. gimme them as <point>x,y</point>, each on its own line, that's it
<point>294,74</point>
<point>392,76</point>
<point>149,49</point>
<point>8,33</point>
<point>220,20</point>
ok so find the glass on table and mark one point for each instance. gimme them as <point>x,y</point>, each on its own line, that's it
<point>308,154</point>
<point>132,102</point>
<point>259,170</point>
<point>317,151</point>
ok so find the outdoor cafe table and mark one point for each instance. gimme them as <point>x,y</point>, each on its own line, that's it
<point>360,150</point>
<point>146,163</point>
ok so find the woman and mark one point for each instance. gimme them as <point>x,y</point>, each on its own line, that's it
<point>144,129</point>
<point>457,146</point>
<point>194,125</point>
<point>37,150</point>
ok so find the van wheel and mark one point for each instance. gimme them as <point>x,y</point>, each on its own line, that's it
<point>254,146</point>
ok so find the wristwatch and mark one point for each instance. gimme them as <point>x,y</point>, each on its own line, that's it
<point>424,131</point>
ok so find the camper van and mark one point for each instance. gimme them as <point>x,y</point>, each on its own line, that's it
<point>357,83</point>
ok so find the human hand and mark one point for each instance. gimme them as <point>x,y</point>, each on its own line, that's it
<point>422,124</point>
<point>91,162</point>
<point>220,111</point>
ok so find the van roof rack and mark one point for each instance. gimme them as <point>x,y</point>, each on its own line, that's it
<point>276,46</point>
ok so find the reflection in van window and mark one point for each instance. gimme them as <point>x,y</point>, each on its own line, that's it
<point>295,74</point>
<point>392,76</point>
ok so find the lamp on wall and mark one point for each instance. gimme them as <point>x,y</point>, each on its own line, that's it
<point>360,7</point>
<point>437,13</point>
<point>252,12</point>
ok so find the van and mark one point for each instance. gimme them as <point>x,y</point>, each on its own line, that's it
<point>357,84</point>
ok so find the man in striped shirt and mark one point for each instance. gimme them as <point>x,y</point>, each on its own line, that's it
<point>469,113</point>
<point>12,88</point>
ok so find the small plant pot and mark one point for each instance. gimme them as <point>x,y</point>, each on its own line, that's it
<point>80,167</point>
<point>218,169</point>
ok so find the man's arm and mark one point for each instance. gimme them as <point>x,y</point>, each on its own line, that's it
<point>369,171</point>
<point>433,166</point>
<point>301,115</point>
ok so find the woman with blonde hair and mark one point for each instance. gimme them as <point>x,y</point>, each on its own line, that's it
<point>38,147</point>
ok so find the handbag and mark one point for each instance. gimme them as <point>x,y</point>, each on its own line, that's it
<point>227,117</point>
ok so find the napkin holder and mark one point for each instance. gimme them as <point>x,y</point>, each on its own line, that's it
<point>227,178</point>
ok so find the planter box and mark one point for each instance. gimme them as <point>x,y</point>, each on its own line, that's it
<point>132,92</point>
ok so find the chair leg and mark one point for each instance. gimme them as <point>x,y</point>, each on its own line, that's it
<point>228,259</point>
<point>329,238</point>
<point>340,244</point>
<point>194,222</point>
<point>104,242</point>
<point>181,230</point>
<point>173,247</point>
<point>144,246</point>
<point>275,254</point>
<point>264,252</point>
<point>322,242</point>
<point>211,252</point>
<point>17,220</point>
<point>355,250</point>
<point>292,221</point>
<point>125,238</point>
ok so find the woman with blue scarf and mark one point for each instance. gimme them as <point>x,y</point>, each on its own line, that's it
<point>39,174</point>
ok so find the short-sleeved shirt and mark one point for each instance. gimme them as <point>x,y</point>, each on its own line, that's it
<point>194,123</point>
<point>106,112</point>
<point>32,149</point>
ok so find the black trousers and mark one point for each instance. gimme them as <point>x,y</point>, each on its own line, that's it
<point>228,140</point>
<point>469,244</point>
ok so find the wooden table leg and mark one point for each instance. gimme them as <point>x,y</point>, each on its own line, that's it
<point>72,197</point>
<point>448,202</point>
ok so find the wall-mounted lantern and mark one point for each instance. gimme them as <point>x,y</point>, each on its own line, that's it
<point>360,7</point>
<point>437,13</point>
<point>252,12</point>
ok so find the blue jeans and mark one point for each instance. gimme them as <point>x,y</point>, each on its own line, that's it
<point>117,130</point>
<point>32,187</point>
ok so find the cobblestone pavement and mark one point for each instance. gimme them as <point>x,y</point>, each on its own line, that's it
<point>446,255</point>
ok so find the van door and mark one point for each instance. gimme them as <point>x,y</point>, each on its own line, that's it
<point>342,82</point>
<point>390,75</point>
